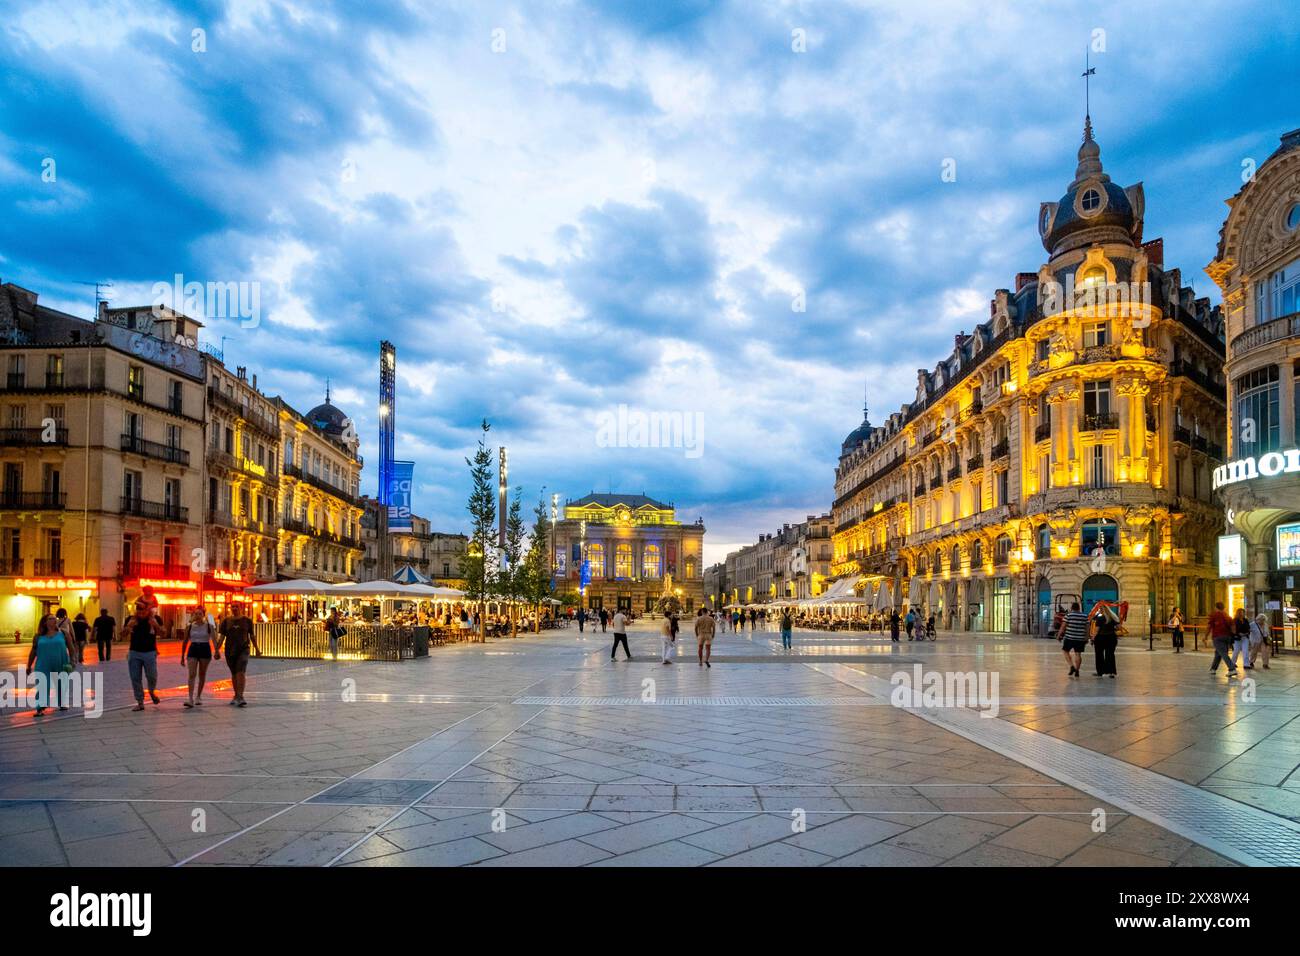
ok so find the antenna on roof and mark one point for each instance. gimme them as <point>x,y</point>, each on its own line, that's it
<point>327,391</point>
<point>1089,71</point>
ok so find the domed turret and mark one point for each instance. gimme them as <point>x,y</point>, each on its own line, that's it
<point>859,435</point>
<point>1093,209</point>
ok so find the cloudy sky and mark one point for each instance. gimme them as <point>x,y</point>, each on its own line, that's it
<point>732,211</point>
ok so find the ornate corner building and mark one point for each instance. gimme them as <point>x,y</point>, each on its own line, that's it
<point>1257,266</point>
<point>1062,451</point>
<point>622,551</point>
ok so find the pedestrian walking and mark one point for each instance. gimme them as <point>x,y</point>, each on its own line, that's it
<point>1259,639</point>
<point>704,639</point>
<point>142,656</point>
<point>80,632</point>
<point>894,622</point>
<point>236,636</point>
<point>1073,635</point>
<point>1241,638</point>
<point>1105,638</point>
<point>196,653</point>
<point>1222,633</point>
<point>105,631</point>
<point>787,629</point>
<point>910,621</point>
<point>620,635</point>
<point>1176,630</point>
<point>604,620</point>
<point>49,660</point>
<point>668,636</point>
<point>334,629</point>
<point>582,620</point>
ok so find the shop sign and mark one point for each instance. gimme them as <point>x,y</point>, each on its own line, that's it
<point>1265,466</point>
<point>228,577</point>
<point>160,584</point>
<point>53,584</point>
<point>1232,556</point>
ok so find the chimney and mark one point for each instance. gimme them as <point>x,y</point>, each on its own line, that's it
<point>1024,278</point>
<point>254,383</point>
<point>1155,250</point>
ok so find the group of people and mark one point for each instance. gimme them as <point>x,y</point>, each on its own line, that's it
<point>1239,639</point>
<point>1101,626</point>
<point>59,646</point>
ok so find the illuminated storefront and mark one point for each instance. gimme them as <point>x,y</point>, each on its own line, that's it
<point>1257,267</point>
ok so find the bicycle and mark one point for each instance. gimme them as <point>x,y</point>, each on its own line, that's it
<point>931,632</point>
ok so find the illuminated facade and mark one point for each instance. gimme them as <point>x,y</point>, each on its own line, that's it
<point>1062,451</point>
<point>320,503</point>
<point>242,518</point>
<point>1257,266</point>
<point>630,544</point>
<point>101,429</point>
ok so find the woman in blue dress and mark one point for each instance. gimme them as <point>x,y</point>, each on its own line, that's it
<point>52,655</point>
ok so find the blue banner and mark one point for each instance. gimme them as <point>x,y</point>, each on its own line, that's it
<point>399,496</point>
<point>585,577</point>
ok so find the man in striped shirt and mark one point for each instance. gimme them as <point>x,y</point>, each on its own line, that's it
<point>1074,638</point>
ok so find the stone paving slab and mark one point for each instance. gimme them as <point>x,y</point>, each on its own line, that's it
<point>539,752</point>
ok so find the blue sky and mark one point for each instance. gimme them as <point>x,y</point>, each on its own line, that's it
<point>553,208</point>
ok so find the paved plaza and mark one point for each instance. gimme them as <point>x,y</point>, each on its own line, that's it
<point>539,751</point>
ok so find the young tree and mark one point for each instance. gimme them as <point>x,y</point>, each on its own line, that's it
<point>537,564</point>
<point>478,564</point>
<point>512,577</point>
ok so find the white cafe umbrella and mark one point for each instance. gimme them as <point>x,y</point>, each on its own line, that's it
<point>884,597</point>
<point>301,586</point>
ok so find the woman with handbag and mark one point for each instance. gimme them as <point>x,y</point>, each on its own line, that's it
<point>1258,640</point>
<point>1105,638</point>
<point>51,657</point>
<point>334,628</point>
<point>1176,630</point>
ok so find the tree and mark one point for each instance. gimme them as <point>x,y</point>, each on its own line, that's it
<point>537,563</point>
<point>478,565</point>
<point>512,578</point>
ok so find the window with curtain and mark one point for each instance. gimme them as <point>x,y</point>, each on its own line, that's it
<point>650,561</point>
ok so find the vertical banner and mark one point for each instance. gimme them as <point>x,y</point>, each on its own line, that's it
<point>503,482</point>
<point>399,496</point>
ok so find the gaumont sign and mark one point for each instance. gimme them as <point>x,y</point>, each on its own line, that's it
<point>1265,466</point>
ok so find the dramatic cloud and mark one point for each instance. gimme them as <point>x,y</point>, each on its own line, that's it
<point>728,210</point>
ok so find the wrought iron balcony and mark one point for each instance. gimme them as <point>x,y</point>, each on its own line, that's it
<point>43,566</point>
<point>32,437</point>
<point>1001,450</point>
<point>170,571</point>
<point>155,510</point>
<point>1100,422</point>
<point>1043,431</point>
<point>974,462</point>
<point>12,500</point>
<point>954,472</point>
<point>152,449</point>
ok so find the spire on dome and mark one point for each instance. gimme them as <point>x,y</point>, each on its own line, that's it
<point>1089,158</point>
<point>327,391</point>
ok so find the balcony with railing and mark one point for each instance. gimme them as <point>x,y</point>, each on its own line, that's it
<point>46,566</point>
<point>974,463</point>
<point>293,471</point>
<point>156,570</point>
<point>13,500</point>
<point>33,437</point>
<point>1286,327</point>
<point>1001,450</point>
<point>1206,379</point>
<point>152,449</point>
<point>12,567</point>
<point>1042,431</point>
<point>221,518</point>
<point>954,472</point>
<point>154,510</point>
<point>1100,422</point>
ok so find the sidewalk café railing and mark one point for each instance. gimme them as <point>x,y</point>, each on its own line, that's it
<point>365,642</point>
<point>1276,638</point>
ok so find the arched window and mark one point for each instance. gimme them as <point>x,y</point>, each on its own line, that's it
<point>977,554</point>
<point>938,560</point>
<point>623,561</point>
<point>955,563</point>
<point>1002,549</point>
<point>596,559</point>
<point>1044,541</point>
<point>1100,533</point>
<point>650,561</point>
<point>922,564</point>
